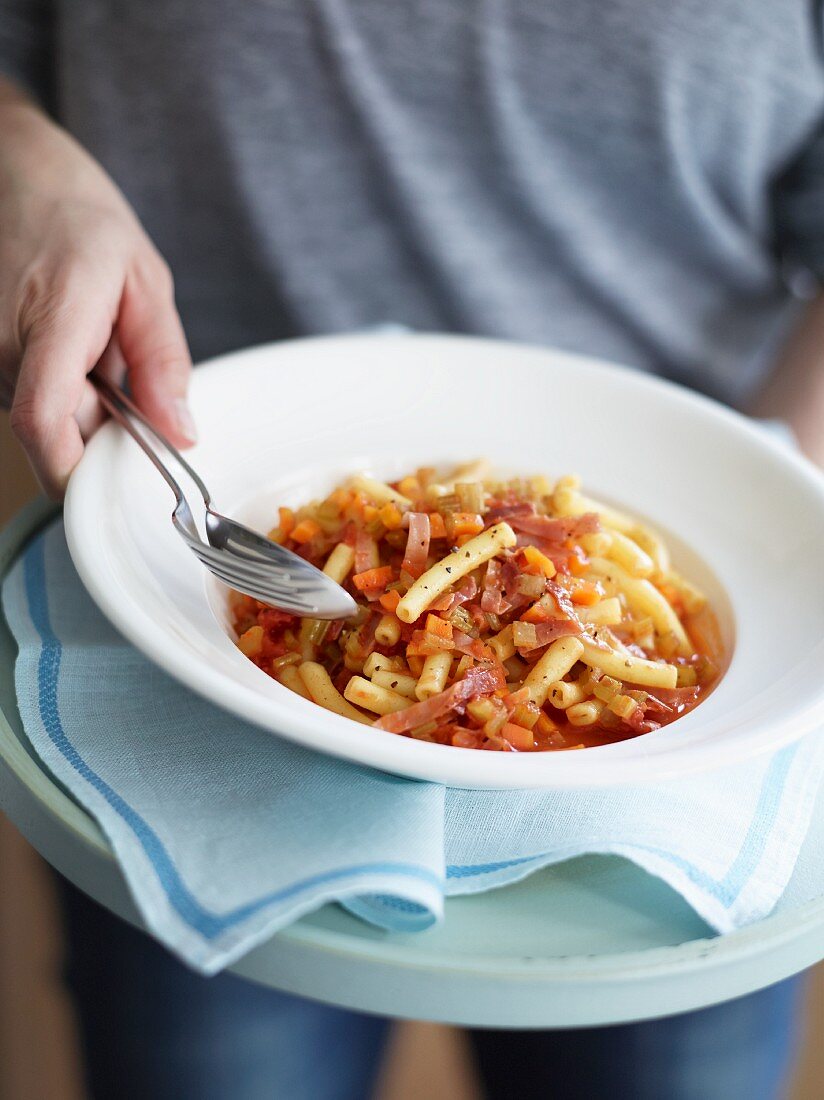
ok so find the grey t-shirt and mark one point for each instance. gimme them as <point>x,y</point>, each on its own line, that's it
<point>629,178</point>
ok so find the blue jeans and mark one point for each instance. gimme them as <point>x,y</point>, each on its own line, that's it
<point>153,1030</point>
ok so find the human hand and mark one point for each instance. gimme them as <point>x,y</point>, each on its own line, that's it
<point>81,285</point>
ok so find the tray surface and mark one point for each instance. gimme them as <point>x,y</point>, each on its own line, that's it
<point>591,941</point>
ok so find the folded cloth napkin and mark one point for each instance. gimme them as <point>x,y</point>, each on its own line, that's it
<point>226,834</point>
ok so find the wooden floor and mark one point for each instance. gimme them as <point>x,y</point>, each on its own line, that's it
<point>39,1059</point>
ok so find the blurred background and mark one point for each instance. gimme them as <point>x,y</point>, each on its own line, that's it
<point>39,1059</point>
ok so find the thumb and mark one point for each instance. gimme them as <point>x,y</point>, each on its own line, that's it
<point>157,357</point>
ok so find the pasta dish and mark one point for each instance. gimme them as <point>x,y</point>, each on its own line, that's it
<point>510,615</point>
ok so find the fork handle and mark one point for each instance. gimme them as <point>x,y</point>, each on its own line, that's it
<point>121,408</point>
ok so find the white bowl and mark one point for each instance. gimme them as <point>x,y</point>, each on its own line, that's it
<point>283,422</point>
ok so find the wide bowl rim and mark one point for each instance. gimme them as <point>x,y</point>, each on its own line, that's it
<point>402,756</point>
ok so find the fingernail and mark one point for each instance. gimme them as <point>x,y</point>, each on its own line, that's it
<point>184,420</point>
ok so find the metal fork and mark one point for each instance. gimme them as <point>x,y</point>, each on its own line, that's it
<point>240,557</point>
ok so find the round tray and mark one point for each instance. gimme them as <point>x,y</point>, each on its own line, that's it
<point>591,941</point>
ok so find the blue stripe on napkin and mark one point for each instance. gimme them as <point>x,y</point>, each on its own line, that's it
<point>226,833</point>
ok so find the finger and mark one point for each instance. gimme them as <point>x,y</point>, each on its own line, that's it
<point>60,350</point>
<point>91,414</point>
<point>157,356</point>
<point>112,363</point>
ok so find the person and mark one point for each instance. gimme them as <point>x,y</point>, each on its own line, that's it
<point>637,181</point>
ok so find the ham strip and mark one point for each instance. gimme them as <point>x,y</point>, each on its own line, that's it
<point>364,550</point>
<point>667,700</point>
<point>563,600</point>
<point>450,600</point>
<point>500,586</point>
<point>542,527</point>
<point>638,723</point>
<point>556,530</point>
<point>493,600</point>
<point>417,544</point>
<point>472,647</point>
<point>547,632</point>
<point>587,524</point>
<point>509,512</point>
<point>477,681</point>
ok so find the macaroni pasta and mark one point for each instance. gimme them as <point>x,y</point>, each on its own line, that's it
<point>509,615</point>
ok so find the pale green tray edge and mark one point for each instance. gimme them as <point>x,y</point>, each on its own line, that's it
<point>592,941</point>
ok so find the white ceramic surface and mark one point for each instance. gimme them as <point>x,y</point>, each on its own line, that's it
<point>281,423</point>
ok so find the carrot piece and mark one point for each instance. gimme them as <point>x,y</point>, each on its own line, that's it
<point>415,663</point>
<point>306,530</point>
<point>389,600</point>
<point>465,523</point>
<point>585,594</point>
<point>540,612</point>
<point>410,487</point>
<point>578,561</point>
<point>373,578</point>
<point>437,527</point>
<point>286,518</point>
<point>539,561</point>
<point>436,625</point>
<point>391,516</point>
<point>519,737</point>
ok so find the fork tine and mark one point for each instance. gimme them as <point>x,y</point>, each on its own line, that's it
<point>249,562</point>
<point>261,579</point>
<point>299,607</point>
<point>268,575</point>
<point>261,590</point>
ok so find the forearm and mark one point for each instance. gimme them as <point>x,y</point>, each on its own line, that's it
<point>11,95</point>
<point>794,392</point>
<point>38,156</point>
<point>21,121</point>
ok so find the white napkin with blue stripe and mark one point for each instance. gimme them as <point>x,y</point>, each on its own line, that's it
<point>226,834</point>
